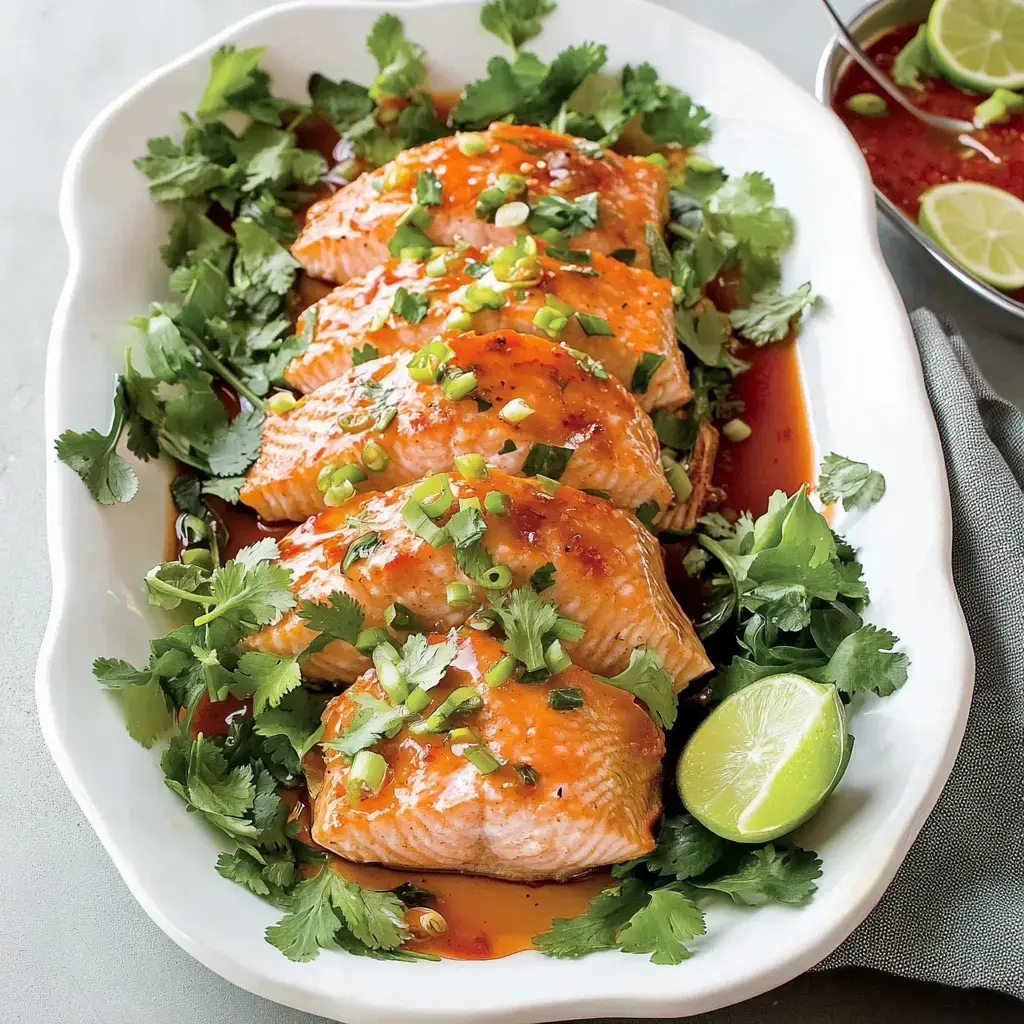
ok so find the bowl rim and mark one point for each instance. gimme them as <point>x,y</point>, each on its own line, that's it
<point>662,998</point>
<point>830,66</point>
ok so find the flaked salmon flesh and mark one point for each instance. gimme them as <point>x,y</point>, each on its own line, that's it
<point>609,575</point>
<point>347,234</point>
<point>612,444</point>
<point>594,801</point>
<point>636,304</point>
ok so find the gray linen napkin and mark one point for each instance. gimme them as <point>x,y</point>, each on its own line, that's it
<point>955,911</point>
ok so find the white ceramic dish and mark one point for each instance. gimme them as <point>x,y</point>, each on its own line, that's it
<point>867,400</point>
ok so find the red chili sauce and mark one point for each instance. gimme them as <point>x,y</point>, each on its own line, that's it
<point>906,157</point>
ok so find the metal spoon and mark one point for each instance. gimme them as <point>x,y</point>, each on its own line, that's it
<point>951,125</point>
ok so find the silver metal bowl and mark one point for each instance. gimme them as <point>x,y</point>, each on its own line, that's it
<point>867,26</point>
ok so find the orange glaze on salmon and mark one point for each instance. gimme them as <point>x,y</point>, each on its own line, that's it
<point>614,446</point>
<point>636,304</point>
<point>609,575</point>
<point>347,234</point>
<point>594,802</point>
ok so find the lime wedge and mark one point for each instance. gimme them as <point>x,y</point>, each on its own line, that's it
<point>978,44</point>
<point>981,227</point>
<point>764,760</point>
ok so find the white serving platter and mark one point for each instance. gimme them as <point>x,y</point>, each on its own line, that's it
<point>867,400</point>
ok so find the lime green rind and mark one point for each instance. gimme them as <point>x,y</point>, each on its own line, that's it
<point>765,759</point>
<point>978,44</point>
<point>979,226</point>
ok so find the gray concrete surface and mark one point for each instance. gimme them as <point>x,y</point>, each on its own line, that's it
<point>74,946</point>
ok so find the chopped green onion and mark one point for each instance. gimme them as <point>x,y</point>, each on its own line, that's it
<point>627,256</point>
<point>389,675</point>
<point>282,402</point>
<point>384,417</point>
<point>595,326</point>
<point>425,365</point>
<point>644,371</point>
<point>202,557</point>
<point>497,502</point>
<point>366,776</point>
<point>462,700</point>
<point>375,458</point>
<point>396,176</point>
<point>458,387</point>
<point>475,297</point>
<point>462,735</point>
<point>458,595</point>
<point>527,774</point>
<point>515,411</point>
<point>555,657</point>
<point>418,216</point>
<point>416,253</point>
<point>471,144</point>
<point>360,548</point>
<point>511,215</point>
<point>324,478</point>
<point>501,671</point>
<point>437,267</point>
<point>418,700</point>
<point>379,318</point>
<point>737,430</point>
<point>470,503</point>
<point>353,422</point>
<point>508,447</point>
<point>554,302</point>
<point>397,616</point>
<point>547,460</point>
<point>547,485</point>
<point>550,321</point>
<point>471,466</point>
<point>420,524</point>
<point>459,320</point>
<point>350,473</point>
<point>434,495</point>
<point>338,495</point>
<point>867,104</point>
<point>656,158</point>
<point>496,578</point>
<point>595,492</point>
<point>369,639</point>
<point>482,759</point>
<point>676,476</point>
<point>565,699</point>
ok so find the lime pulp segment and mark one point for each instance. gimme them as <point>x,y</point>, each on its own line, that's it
<point>981,227</point>
<point>764,760</point>
<point>979,43</point>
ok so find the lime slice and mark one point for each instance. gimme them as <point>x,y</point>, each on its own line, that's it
<point>764,760</point>
<point>981,227</point>
<point>979,43</point>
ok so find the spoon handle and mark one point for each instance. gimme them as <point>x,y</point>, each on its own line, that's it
<point>885,83</point>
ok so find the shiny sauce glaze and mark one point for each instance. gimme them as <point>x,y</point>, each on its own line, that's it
<point>488,918</point>
<point>905,157</point>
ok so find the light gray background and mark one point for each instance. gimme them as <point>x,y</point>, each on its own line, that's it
<point>74,946</point>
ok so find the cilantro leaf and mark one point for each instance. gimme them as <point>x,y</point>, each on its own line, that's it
<point>368,725</point>
<point>515,22</point>
<point>363,354</point>
<point>598,926</point>
<point>864,660</point>
<point>428,188</point>
<point>340,619</point>
<point>668,921</point>
<point>770,314</point>
<point>544,577</point>
<point>234,447</point>
<point>526,619</point>
<point>93,456</point>
<point>360,548</point>
<point>342,103</point>
<point>266,678</point>
<point>914,61</point>
<point>147,712</point>
<point>411,306</point>
<point>706,335</point>
<point>568,217</point>
<point>322,906</point>
<point>645,677</point>
<point>400,61</point>
<point>856,484</point>
<point>767,874</point>
<point>230,72</point>
<point>296,717</point>
<point>423,664</point>
<point>685,848</point>
<point>243,868</point>
<point>227,488</point>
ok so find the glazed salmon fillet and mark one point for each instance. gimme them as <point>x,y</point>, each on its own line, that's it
<point>611,443</point>
<point>608,575</point>
<point>594,801</point>
<point>635,304</point>
<point>347,234</point>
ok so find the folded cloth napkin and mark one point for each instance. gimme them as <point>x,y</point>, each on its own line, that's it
<point>955,911</point>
